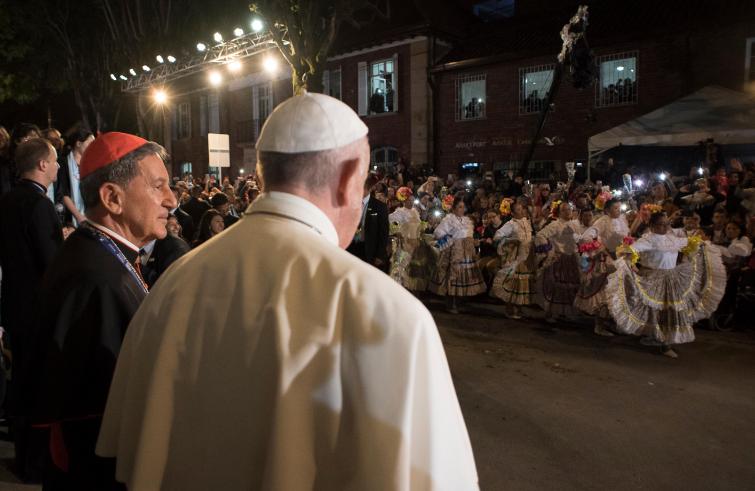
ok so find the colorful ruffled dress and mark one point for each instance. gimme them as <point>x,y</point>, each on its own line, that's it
<point>558,280</point>
<point>410,262</point>
<point>664,299</point>
<point>456,273</point>
<point>514,283</point>
<point>595,266</point>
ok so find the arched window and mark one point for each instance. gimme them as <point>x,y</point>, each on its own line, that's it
<point>384,158</point>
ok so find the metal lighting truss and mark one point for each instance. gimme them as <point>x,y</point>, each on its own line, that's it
<point>236,49</point>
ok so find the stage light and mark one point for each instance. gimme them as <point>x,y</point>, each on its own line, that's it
<point>201,47</point>
<point>159,59</point>
<point>171,59</point>
<point>257,25</point>
<point>234,66</point>
<point>238,32</point>
<point>215,78</point>
<point>123,77</point>
<point>132,72</point>
<point>112,76</point>
<point>145,68</point>
<point>160,96</point>
<point>218,37</point>
<point>270,64</point>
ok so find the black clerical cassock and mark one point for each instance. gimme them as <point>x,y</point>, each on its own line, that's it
<point>88,297</point>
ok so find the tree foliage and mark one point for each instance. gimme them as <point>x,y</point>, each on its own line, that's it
<point>304,31</point>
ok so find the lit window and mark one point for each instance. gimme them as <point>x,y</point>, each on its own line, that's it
<point>534,86</point>
<point>331,82</point>
<point>470,97</point>
<point>617,83</point>
<point>382,87</point>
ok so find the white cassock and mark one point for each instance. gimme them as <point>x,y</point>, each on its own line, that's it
<point>269,358</point>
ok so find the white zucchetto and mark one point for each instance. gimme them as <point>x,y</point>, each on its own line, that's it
<point>310,122</point>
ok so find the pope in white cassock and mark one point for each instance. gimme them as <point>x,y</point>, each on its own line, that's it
<point>270,358</point>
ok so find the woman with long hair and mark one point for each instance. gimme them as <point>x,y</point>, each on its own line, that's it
<point>210,225</point>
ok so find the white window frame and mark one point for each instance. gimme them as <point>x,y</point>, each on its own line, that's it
<point>262,103</point>
<point>461,106</point>
<point>524,107</point>
<point>631,100</point>
<point>184,120</point>
<point>749,55</point>
<point>364,79</point>
<point>328,79</point>
<point>385,163</point>
<point>203,117</point>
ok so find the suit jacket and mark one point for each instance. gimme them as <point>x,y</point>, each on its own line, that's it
<point>187,224</point>
<point>375,234</point>
<point>195,208</point>
<point>165,252</point>
<point>30,235</point>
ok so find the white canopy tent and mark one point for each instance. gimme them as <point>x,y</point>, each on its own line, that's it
<point>725,115</point>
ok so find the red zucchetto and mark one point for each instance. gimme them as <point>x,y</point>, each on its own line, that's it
<point>106,149</point>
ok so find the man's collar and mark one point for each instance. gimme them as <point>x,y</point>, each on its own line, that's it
<point>37,185</point>
<point>114,235</point>
<point>297,209</point>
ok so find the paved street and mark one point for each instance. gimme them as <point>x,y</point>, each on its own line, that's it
<point>569,410</point>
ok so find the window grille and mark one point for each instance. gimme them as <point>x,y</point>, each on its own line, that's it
<point>617,80</point>
<point>534,85</point>
<point>470,97</point>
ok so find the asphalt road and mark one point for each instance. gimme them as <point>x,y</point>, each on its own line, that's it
<point>567,410</point>
<point>570,410</point>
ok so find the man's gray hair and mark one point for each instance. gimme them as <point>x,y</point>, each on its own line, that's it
<point>120,172</point>
<point>311,170</point>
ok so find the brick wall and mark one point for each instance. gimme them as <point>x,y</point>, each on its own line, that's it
<point>668,68</point>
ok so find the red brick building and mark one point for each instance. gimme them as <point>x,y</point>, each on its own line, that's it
<point>648,54</point>
<point>445,96</point>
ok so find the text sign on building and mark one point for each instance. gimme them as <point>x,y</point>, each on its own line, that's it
<point>220,150</point>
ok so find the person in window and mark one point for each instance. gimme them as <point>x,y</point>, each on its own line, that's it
<point>473,108</point>
<point>388,96</point>
<point>377,102</point>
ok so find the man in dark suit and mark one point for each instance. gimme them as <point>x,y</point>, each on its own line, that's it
<point>184,219</point>
<point>371,241</point>
<point>156,257</point>
<point>30,235</point>
<point>221,203</point>
<point>195,207</point>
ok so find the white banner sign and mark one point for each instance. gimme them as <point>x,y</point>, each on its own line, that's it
<point>220,150</point>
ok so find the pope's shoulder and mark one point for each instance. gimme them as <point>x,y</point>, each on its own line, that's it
<point>273,250</point>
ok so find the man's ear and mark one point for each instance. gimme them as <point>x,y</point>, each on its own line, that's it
<point>112,198</point>
<point>351,177</point>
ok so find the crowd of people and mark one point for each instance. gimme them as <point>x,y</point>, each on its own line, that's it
<point>90,224</point>
<point>648,254</point>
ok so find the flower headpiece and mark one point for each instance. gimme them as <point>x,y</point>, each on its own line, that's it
<point>648,209</point>
<point>554,208</point>
<point>403,193</point>
<point>506,206</point>
<point>602,199</point>
<point>448,202</point>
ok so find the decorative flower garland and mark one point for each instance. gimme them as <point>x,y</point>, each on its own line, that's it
<point>693,245</point>
<point>648,209</point>
<point>625,249</point>
<point>588,247</point>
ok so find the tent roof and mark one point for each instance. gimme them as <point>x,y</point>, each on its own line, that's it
<point>715,112</point>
